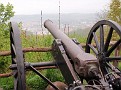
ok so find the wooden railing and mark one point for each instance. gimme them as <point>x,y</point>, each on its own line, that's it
<point>48,49</point>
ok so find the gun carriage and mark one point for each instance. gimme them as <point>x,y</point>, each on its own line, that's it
<point>75,63</point>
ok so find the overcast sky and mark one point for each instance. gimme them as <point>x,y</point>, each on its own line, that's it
<point>51,6</point>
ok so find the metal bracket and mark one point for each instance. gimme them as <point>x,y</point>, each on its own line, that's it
<point>43,77</point>
<point>63,62</point>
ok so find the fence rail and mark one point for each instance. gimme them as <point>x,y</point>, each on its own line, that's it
<point>48,49</point>
<point>45,49</point>
<point>29,49</point>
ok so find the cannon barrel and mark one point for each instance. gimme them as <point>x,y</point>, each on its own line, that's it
<point>84,62</point>
<point>72,49</point>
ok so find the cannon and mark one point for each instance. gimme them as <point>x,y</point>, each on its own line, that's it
<point>89,69</point>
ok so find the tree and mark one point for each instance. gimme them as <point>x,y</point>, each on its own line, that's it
<point>114,12</point>
<point>6,12</point>
<point>102,15</point>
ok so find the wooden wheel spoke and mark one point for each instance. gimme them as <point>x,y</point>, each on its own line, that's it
<point>113,58</point>
<point>93,49</point>
<point>108,40</point>
<point>11,37</point>
<point>96,41</point>
<point>103,43</point>
<point>101,38</point>
<point>13,51</point>
<point>113,47</point>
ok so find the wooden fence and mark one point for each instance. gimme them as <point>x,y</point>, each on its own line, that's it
<point>48,49</point>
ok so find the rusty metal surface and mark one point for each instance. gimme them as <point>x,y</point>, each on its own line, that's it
<point>59,84</point>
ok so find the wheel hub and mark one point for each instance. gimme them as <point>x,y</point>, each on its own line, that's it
<point>101,56</point>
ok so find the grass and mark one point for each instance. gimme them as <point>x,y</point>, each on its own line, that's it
<point>33,81</point>
<point>6,83</point>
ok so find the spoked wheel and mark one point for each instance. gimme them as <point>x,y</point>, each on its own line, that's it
<point>99,42</point>
<point>17,57</point>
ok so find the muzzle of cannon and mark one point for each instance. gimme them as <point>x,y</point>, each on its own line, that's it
<point>91,69</point>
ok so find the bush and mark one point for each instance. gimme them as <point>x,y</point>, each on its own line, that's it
<point>34,82</point>
<point>7,83</point>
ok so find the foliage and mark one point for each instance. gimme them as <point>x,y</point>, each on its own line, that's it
<point>7,83</point>
<point>34,82</point>
<point>6,12</point>
<point>114,12</point>
<point>102,15</point>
